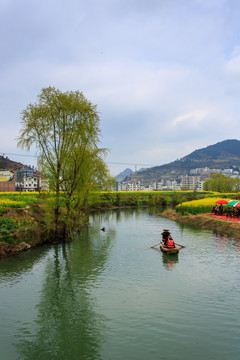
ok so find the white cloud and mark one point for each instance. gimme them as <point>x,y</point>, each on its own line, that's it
<point>157,70</point>
<point>233,66</point>
<point>191,119</point>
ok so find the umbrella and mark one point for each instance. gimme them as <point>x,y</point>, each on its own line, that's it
<point>237,204</point>
<point>232,202</point>
<point>221,201</point>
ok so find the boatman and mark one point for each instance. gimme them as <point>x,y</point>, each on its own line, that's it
<point>165,235</point>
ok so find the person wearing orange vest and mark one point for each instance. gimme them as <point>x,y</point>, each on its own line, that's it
<point>170,243</point>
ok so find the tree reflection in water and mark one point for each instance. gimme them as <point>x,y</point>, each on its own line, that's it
<point>67,326</point>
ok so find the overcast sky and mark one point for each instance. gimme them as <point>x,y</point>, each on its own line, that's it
<point>165,74</point>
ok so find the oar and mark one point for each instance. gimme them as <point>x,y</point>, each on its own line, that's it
<point>180,245</point>
<point>155,245</point>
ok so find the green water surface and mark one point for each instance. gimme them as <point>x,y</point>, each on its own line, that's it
<point>109,296</point>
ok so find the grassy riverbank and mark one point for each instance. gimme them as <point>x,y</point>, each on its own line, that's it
<point>27,219</point>
<point>204,221</point>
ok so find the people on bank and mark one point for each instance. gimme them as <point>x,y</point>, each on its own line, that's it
<point>220,209</point>
<point>217,210</point>
<point>167,239</point>
<point>229,211</point>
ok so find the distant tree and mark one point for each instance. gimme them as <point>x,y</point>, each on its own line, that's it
<point>65,129</point>
<point>221,183</point>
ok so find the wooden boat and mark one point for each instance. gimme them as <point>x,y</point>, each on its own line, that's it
<point>169,250</point>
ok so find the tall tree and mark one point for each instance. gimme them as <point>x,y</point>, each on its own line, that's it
<point>65,129</point>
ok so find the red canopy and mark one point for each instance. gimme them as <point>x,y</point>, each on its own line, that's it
<point>237,204</point>
<point>221,201</point>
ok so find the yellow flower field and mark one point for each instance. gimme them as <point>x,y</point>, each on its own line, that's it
<point>198,206</point>
<point>12,203</point>
<point>17,200</point>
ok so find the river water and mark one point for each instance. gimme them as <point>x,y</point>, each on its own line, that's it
<point>109,296</point>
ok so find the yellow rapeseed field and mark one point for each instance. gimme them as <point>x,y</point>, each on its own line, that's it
<point>198,206</point>
<point>11,203</point>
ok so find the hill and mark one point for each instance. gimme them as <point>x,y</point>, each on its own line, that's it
<point>224,154</point>
<point>120,177</point>
<point>7,164</point>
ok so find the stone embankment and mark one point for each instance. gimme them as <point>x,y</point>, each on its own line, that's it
<point>204,221</point>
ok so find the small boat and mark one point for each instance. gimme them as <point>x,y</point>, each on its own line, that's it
<point>164,249</point>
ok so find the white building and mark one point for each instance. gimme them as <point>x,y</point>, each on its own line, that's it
<point>27,180</point>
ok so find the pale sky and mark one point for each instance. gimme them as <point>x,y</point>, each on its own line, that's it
<point>164,74</point>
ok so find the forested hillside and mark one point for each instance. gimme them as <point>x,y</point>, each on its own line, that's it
<point>225,154</point>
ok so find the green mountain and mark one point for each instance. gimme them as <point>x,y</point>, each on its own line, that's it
<point>224,154</point>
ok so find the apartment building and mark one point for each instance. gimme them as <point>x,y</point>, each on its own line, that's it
<point>192,182</point>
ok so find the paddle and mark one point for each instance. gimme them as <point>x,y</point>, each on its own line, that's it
<point>180,245</point>
<point>160,244</point>
<point>155,245</point>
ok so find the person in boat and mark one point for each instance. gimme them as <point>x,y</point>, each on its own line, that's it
<point>165,235</point>
<point>170,243</point>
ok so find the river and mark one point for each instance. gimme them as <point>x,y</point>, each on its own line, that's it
<point>108,296</point>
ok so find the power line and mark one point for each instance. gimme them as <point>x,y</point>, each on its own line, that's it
<point>4,153</point>
<point>120,163</point>
<point>108,162</point>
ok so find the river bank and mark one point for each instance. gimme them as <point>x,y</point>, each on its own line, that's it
<point>35,232</point>
<point>27,220</point>
<point>22,229</point>
<point>204,221</point>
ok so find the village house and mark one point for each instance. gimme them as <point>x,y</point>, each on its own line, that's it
<point>27,180</point>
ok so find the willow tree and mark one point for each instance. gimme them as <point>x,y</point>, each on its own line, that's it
<point>64,127</point>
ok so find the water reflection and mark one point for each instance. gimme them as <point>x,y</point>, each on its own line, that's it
<point>118,215</point>
<point>223,243</point>
<point>15,267</point>
<point>68,325</point>
<point>169,260</point>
